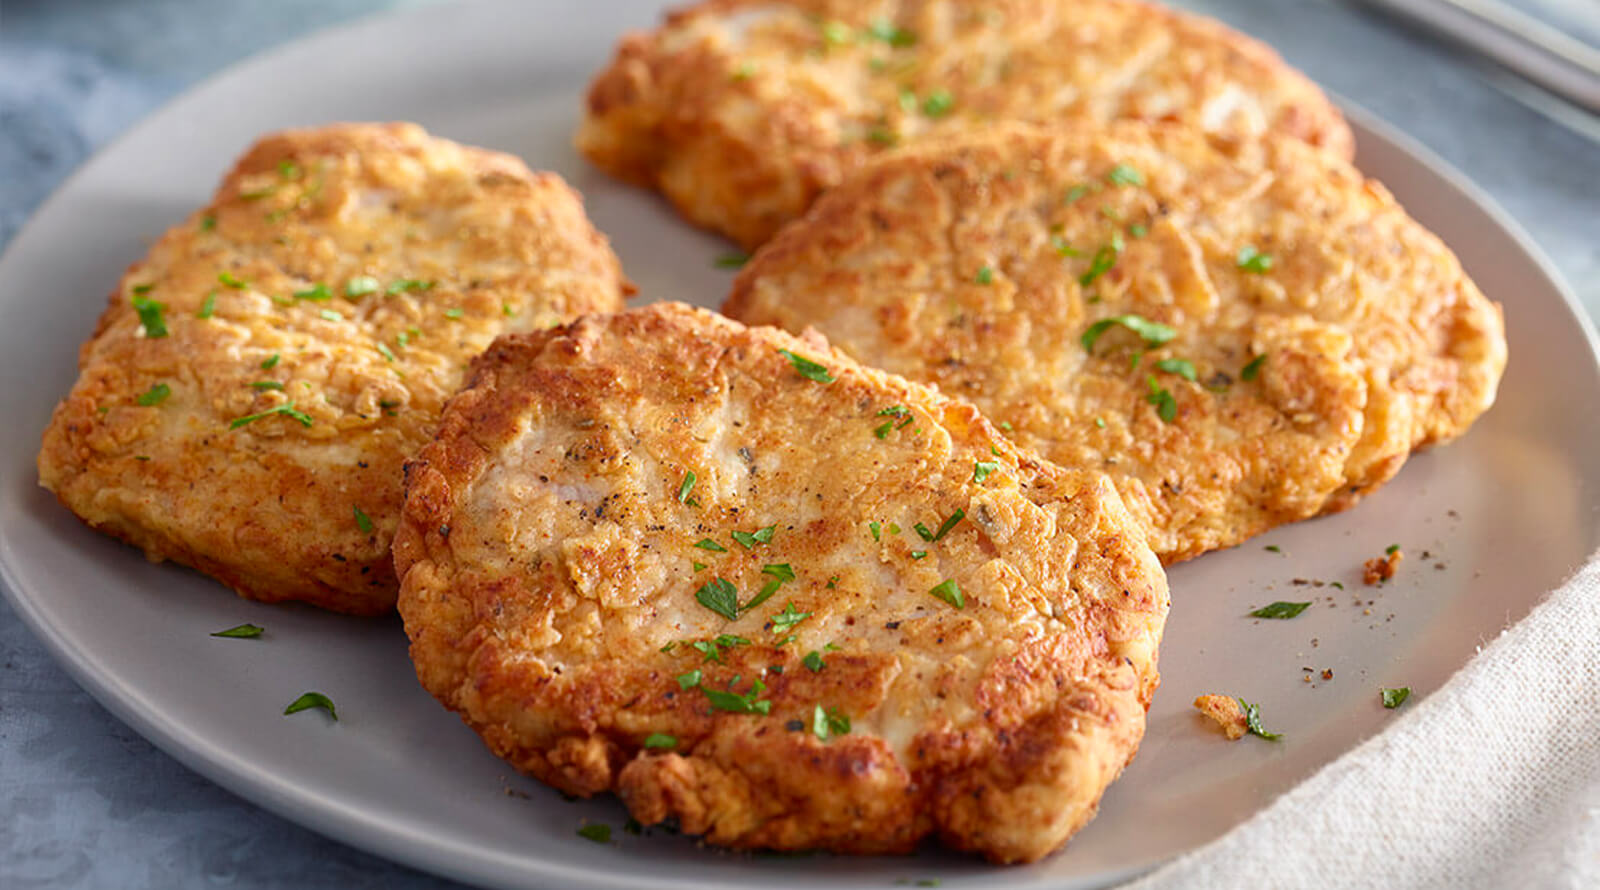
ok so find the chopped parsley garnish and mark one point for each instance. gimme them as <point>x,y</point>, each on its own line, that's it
<point>698,566</point>
<point>1273,548</point>
<point>1100,422</point>
<point>288,169</point>
<point>882,136</point>
<point>1153,333</point>
<point>749,540</point>
<point>1060,246</point>
<point>317,293</point>
<point>1391,549</point>
<point>408,284</point>
<point>719,596</point>
<point>208,307</point>
<point>944,527</point>
<point>330,315</point>
<point>877,530</point>
<point>746,703</point>
<point>1182,367</point>
<point>827,724</point>
<point>312,700</point>
<point>150,316</point>
<point>386,352</point>
<point>660,740</point>
<point>207,223</point>
<point>895,412</point>
<point>227,279</point>
<point>155,395</point>
<point>360,286</point>
<point>1253,369</point>
<point>689,679</point>
<point>708,544</point>
<point>985,275</point>
<point>363,521</point>
<point>1252,721</point>
<point>1162,398</point>
<point>731,260</point>
<point>813,661</point>
<point>1005,425</point>
<point>241,632</point>
<point>981,469</point>
<point>266,384</point>
<point>894,528</point>
<point>938,103</point>
<point>1280,609</point>
<point>949,591</point>
<point>286,409</point>
<point>599,832</point>
<point>745,70</point>
<point>919,554</point>
<point>270,362</point>
<point>836,33</point>
<point>788,618</point>
<point>1394,698</point>
<point>1252,260</point>
<point>1104,259</point>
<point>779,570</point>
<point>686,486</point>
<point>1122,174</point>
<point>885,31</point>
<point>454,313</point>
<point>1075,193</point>
<point>807,368</point>
<point>922,531</point>
<point>1138,230</point>
<point>712,649</point>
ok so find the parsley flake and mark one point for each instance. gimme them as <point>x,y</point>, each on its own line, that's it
<point>836,33</point>
<point>330,315</point>
<point>731,260</point>
<point>286,409</point>
<point>698,566</point>
<point>788,618</point>
<point>1394,698</point>
<point>1253,369</point>
<point>360,286</point>
<point>1182,367</point>
<point>885,31</point>
<point>1252,721</point>
<point>1104,259</point>
<point>779,570</point>
<point>708,544</point>
<point>1252,260</point>
<point>719,596</point>
<point>1162,398</point>
<point>985,275</point>
<point>1274,548</point>
<point>807,368</point>
<point>689,679</point>
<point>155,395</point>
<point>266,384</point>
<point>241,632</point>
<point>686,486</point>
<point>410,284</point>
<point>209,306</point>
<point>386,352</point>
<point>1390,550</point>
<point>363,521</point>
<point>270,362</point>
<point>311,700</point>
<point>150,317</point>
<point>813,661</point>
<point>207,223</point>
<point>227,279</point>
<point>749,540</point>
<point>827,724</point>
<point>746,703</point>
<point>1280,609</point>
<point>949,591</point>
<point>938,103</point>
<point>1122,174</point>
<point>454,313</point>
<point>599,832</point>
<point>1153,333</point>
<point>317,293</point>
<point>1075,193</point>
<point>981,469</point>
<point>919,554</point>
<point>660,740</point>
<point>877,530</point>
<point>944,527</point>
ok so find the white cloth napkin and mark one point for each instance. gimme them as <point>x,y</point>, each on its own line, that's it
<point>1491,781</point>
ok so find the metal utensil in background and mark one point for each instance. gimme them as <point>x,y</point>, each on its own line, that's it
<point>1561,64</point>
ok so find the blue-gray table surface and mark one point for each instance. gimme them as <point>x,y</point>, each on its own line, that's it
<point>87,803</point>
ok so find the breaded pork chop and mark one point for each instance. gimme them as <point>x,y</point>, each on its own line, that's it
<point>786,600</point>
<point>742,111</point>
<point>252,391</point>
<point>1242,338</point>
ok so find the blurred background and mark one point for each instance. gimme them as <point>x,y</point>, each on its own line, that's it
<point>85,802</point>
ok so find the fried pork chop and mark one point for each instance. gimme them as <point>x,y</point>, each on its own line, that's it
<point>785,600</point>
<point>249,397</point>
<point>742,111</point>
<point>1241,337</point>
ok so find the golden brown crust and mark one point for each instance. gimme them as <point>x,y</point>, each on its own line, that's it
<point>547,559</point>
<point>1224,710</point>
<point>269,508</point>
<point>743,111</point>
<point>1371,340</point>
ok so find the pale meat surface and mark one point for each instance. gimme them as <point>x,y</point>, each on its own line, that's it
<point>334,290</point>
<point>743,111</point>
<point>556,558</point>
<point>1327,333</point>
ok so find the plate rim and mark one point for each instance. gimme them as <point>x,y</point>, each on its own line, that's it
<point>393,839</point>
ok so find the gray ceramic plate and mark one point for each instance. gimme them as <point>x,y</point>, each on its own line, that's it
<point>1505,513</point>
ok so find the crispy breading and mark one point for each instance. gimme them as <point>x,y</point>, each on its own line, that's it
<point>341,277</point>
<point>743,111</point>
<point>1381,568</point>
<point>1225,711</point>
<point>592,486</point>
<point>1326,333</point>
